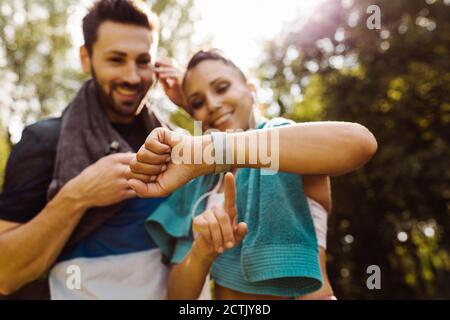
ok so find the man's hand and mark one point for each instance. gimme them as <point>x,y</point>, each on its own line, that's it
<point>216,230</point>
<point>170,74</point>
<point>163,167</point>
<point>104,182</point>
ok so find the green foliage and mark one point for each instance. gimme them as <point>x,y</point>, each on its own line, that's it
<point>177,26</point>
<point>4,152</point>
<point>33,41</point>
<point>177,19</point>
<point>394,212</point>
<point>183,120</point>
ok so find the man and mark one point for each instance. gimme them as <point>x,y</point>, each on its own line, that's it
<point>68,219</point>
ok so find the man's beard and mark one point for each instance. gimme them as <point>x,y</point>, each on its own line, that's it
<point>107,100</point>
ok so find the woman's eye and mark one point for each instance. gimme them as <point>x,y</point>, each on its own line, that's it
<point>196,104</point>
<point>222,88</point>
<point>143,62</point>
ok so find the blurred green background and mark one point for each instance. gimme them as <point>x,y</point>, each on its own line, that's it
<point>394,212</point>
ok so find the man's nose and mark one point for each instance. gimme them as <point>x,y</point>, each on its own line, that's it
<point>131,74</point>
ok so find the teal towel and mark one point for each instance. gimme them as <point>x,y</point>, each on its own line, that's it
<point>170,225</point>
<point>278,256</point>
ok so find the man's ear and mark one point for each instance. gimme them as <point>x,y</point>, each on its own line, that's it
<point>85,59</point>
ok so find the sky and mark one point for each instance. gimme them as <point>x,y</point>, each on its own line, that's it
<point>238,27</point>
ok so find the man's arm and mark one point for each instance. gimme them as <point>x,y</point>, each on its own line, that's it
<point>29,249</point>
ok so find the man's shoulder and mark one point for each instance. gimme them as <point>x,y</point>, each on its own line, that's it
<point>46,130</point>
<point>29,171</point>
<point>49,126</point>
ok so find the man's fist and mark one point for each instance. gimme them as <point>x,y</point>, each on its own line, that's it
<point>160,160</point>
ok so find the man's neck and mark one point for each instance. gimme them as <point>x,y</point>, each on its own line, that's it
<point>116,118</point>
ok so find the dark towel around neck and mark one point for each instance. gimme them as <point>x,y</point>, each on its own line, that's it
<point>86,132</point>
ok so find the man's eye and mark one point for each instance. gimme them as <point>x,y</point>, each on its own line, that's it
<point>115,60</point>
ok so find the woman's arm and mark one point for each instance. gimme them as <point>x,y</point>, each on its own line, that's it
<point>318,188</point>
<point>214,231</point>
<point>315,148</point>
<point>187,278</point>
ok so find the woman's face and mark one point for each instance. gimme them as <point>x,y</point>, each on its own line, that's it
<point>219,96</point>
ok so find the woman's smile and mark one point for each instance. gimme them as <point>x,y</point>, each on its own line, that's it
<point>222,119</point>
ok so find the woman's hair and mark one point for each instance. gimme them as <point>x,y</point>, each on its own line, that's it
<point>212,54</point>
<point>134,12</point>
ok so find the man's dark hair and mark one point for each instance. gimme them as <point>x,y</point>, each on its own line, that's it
<point>134,12</point>
<point>212,54</point>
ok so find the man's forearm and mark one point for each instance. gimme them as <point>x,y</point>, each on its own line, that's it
<point>30,249</point>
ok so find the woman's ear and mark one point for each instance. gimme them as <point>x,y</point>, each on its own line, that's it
<point>85,59</point>
<point>252,87</point>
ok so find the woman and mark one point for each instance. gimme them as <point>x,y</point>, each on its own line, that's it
<point>217,93</point>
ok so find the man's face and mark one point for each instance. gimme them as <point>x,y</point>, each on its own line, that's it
<point>121,66</point>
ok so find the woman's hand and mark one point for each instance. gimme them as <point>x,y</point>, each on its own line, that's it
<point>170,74</point>
<point>216,230</point>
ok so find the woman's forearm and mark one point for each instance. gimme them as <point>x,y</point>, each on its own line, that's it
<point>186,279</point>
<point>318,188</point>
<point>316,148</point>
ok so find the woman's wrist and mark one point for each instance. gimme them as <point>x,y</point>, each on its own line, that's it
<point>202,255</point>
<point>203,144</point>
<point>209,160</point>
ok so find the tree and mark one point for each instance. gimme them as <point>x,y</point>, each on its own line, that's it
<point>33,41</point>
<point>393,212</point>
<point>4,151</point>
<point>177,26</point>
<point>177,20</point>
